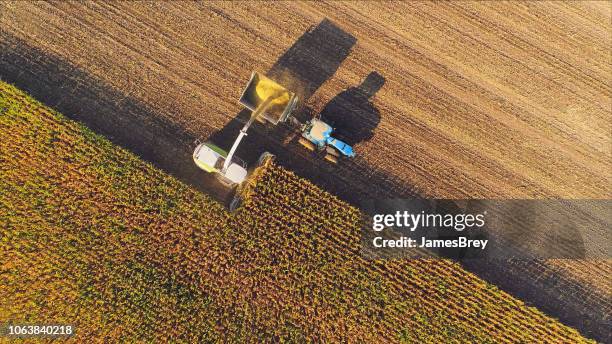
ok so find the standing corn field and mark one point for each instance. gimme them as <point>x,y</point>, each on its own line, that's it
<point>94,236</point>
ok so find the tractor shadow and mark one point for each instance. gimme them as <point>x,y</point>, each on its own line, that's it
<point>352,113</point>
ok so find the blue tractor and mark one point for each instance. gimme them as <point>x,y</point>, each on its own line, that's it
<point>317,135</point>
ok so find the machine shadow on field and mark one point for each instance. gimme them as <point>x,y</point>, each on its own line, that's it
<point>124,120</point>
<point>313,59</point>
<point>352,113</point>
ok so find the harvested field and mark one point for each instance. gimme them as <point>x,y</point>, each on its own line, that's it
<point>480,100</point>
<point>95,236</point>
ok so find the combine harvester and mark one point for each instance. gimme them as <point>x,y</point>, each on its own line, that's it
<point>269,102</point>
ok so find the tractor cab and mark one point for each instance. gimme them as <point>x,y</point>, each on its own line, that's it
<point>317,134</point>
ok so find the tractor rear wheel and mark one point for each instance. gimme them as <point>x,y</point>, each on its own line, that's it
<point>332,151</point>
<point>309,145</point>
<point>331,158</point>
